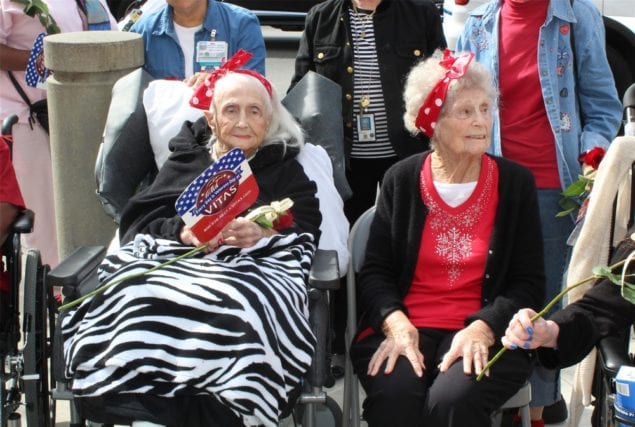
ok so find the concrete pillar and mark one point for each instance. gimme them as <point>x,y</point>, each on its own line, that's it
<point>85,66</point>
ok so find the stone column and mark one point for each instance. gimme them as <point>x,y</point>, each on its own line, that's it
<point>85,67</point>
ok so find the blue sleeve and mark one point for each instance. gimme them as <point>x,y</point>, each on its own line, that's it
<point>601,109</point>
<point>251,40</point>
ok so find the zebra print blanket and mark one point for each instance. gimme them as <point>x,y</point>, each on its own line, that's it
<point>233,324</point>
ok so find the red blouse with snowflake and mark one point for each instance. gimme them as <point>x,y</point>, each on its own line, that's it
<point>446,286</point>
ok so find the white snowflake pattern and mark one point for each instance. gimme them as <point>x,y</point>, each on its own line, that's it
<point>454,246</point>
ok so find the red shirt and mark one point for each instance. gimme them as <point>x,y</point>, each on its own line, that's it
<point>447,282</point>
<point>526,134</point>
<point>9,193</point>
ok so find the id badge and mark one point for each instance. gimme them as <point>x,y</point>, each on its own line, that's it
<point>366,127</point>
<point>211,54</point>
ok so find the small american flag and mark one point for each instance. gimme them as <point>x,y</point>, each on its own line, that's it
<point>218,195</point>
<point>33,77</point>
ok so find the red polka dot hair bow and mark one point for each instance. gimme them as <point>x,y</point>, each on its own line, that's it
<point>431,107</point>
<point>202,97</point>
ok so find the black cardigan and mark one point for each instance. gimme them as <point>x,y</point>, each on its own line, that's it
<point>514,273</point>
<point>600,313</point>
<point>277,173</point>
<point>406,31</point>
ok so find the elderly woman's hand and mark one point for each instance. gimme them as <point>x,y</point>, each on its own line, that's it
<point>472,344</point>
<point>196,80</point>
<point>522,333</point>
<point>188,238</point>
<point>402,339</point>
<point>244,233</point>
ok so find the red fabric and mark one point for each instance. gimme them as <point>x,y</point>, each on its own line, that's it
<point>9,193</point>
<point>431,108</point>
<point>447,282</point>
<point>526,134</point>
<point>202,98</point>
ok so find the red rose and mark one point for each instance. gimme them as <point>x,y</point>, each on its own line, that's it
<point>593,157</point>
<point>284,220</point>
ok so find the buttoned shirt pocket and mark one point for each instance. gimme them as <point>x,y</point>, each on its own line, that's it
<point>327,58</point>
<point>411,53</point>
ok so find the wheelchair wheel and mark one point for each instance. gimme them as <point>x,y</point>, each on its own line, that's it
<point>36,371</point>
<point>327,414</point>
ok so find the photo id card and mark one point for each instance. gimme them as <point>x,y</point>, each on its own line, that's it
<point>211,54</point>
<point>366,127</point>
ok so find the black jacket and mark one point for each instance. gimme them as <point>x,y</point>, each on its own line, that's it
<point>406,31</point>
<point>514,272</point>
<point>277,173</point>
<point>603,311</point>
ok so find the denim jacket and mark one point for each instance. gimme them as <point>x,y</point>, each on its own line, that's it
<point>597,106</point>
<point>235,25</point>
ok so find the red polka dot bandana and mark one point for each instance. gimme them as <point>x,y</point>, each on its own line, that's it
<point>203,96</point>
<point>431,108</point>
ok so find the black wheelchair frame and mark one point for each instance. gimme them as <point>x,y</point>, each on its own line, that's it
<point>24,350</point>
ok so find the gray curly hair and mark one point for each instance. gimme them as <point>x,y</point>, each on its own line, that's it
<point>425,75</point>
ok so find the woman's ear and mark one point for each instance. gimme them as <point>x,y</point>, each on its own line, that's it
<point>209,116</point>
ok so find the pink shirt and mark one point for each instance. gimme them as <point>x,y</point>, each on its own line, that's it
<point>19,31</point>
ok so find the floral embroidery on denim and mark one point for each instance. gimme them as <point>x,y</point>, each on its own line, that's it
<point>565,122</point>
<point>480,37</point>
<point>562,61</point>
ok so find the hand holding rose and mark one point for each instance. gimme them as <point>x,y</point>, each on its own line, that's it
<point>523,333</point>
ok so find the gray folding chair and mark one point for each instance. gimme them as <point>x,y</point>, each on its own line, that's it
<point>351,409</point>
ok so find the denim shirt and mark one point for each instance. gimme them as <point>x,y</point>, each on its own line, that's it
<point>235,25</point>
<point>597,106</point>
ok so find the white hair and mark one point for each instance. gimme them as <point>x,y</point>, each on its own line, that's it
<point>283,128</point>
<point>424,76</point>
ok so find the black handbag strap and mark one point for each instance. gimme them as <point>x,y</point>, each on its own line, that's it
<point>19,89</point>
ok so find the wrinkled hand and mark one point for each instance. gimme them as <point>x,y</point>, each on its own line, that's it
<point>402,339</point>
<point>472,344</point>
<point>240,232</point>
<point>522,333</point>
<point>196,80</point>
<point>244,233</point>
<point>188,238</point>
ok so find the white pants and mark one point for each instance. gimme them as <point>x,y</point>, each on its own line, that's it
<point>32,163</point>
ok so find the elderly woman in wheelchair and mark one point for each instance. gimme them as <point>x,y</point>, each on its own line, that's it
<point>221,338</point>
<point>454,251</point>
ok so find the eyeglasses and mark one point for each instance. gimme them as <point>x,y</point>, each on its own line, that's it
<point>470,112</point>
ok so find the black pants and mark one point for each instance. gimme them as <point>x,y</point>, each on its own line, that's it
<point>436,400</point>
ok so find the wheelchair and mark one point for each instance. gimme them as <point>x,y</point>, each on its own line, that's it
<point>42,380</point>
<point>26,312</point>
<point>613,351</point>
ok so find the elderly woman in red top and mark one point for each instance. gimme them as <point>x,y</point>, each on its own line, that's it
<point>454,251</point>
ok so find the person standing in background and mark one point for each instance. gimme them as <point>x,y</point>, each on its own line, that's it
<point>185,37</point>
<point>368,47</point>
<point>31,149</point>
<point>557,100</point>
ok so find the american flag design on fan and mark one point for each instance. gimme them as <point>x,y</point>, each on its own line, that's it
<point>218,195</point>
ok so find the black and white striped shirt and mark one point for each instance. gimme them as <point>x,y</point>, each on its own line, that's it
<point>366,82</point>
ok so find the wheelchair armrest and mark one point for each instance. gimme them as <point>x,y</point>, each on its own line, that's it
<point>77,267</point>
<point>613,354</point>
<point>24,222</point>
<point>325,272</point>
